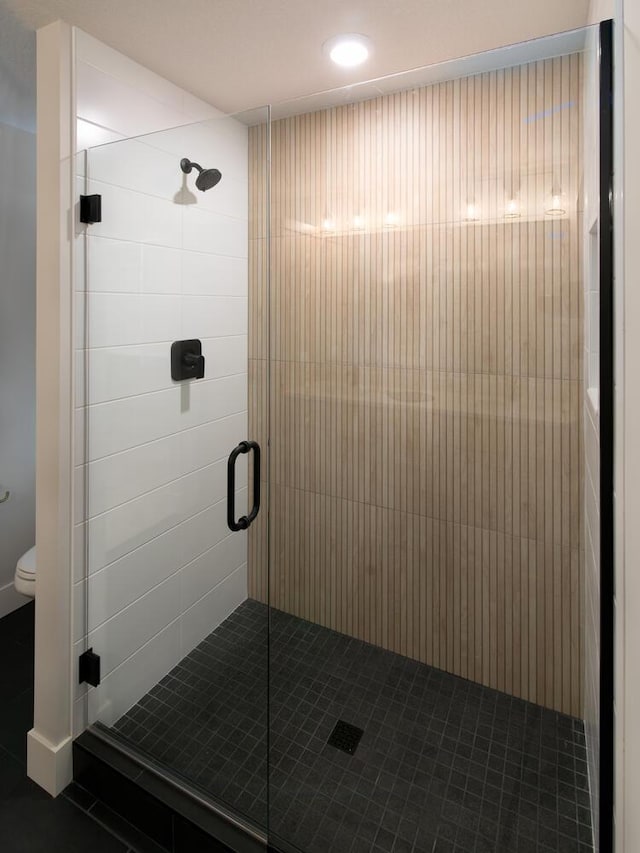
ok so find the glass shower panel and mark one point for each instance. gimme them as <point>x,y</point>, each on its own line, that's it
<point>182,649</point>
<point>426,562</point>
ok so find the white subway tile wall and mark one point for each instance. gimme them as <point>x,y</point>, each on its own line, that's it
<point>156,568</point>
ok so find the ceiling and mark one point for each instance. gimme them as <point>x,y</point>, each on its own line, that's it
<point>238,54</point>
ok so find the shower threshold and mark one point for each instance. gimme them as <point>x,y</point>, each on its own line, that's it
<point>171,813</point>
<point>442,763</point>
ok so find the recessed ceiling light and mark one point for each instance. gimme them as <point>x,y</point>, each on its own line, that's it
<point>348,50</point>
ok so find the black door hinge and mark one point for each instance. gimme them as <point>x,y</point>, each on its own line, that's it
<point>90,209</point>
<point>89,669</point>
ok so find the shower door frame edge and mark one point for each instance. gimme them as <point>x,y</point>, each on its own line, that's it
<point>607,431</point>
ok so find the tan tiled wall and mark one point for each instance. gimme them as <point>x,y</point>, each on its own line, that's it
<point>426,369</point>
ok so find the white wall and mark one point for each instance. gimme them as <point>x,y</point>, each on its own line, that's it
<point>627,445</point>
<point>167,262</point>
<point>600,10</point>
<point>138,639</point>
<point>591,620</point>
<point>17,299</point>
<point>49,743</point>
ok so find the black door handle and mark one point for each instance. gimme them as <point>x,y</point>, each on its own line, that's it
<point>244,521</point>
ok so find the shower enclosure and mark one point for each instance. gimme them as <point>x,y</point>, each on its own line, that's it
<point>380,293</point>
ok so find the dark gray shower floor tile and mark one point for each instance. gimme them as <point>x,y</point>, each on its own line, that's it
<point>443,764</point>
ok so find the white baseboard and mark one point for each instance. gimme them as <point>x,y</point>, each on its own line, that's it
<point>49,765</point>
<point>10,599</point>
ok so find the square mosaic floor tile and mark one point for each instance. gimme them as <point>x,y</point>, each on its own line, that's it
<point>443,765</point>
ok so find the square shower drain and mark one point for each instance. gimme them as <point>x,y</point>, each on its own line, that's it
<point>345,737</point>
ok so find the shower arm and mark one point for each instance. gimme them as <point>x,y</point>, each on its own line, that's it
<point>187,165</point>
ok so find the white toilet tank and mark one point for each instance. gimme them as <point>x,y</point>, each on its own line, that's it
<point>25,576</point>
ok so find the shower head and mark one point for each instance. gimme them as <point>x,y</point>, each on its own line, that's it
<point>206,179</point>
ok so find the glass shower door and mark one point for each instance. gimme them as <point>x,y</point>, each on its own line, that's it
<point>426,463</point>
<point>165,447</point>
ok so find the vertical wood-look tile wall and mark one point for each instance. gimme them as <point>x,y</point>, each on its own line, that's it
<point>426,365</point>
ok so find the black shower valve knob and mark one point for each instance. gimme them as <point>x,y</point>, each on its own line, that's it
<point>190,359</point>
<point>187,361</point>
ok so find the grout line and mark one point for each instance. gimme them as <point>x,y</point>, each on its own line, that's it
<point>150,492</point>
<point>164,389</point>
<point>180,249</point>
<point>208,508</point>
<point>177,619</point>
<point>156,343</point>
<point>97,182</point>
<point>179,432</point>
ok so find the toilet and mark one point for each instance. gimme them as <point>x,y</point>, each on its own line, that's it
<point>25,577</point>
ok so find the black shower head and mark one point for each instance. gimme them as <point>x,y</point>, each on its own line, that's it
<point>206,179</point>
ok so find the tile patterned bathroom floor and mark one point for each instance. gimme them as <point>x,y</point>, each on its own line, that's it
<point>444,765</point>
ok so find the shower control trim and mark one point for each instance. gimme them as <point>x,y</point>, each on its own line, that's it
<point>187,361</point>
<point>245,520</point>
